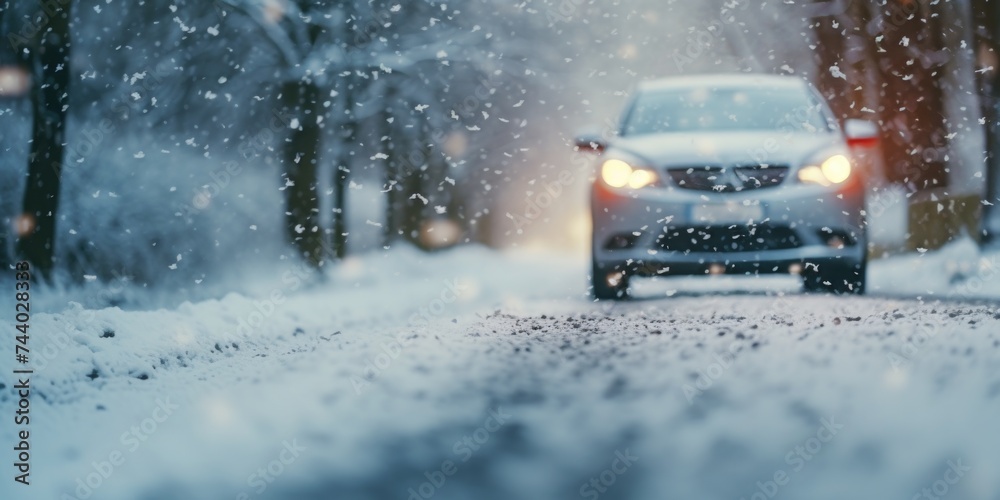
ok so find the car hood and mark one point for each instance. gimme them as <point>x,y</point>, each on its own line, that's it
<point>726,148</point>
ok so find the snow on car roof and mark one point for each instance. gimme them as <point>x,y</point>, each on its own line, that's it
<point>722,80</point>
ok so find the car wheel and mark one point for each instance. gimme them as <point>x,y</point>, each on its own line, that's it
<point>841,279</point>
<point>602,290</point>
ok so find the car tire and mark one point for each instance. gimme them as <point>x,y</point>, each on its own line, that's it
<point>840,279</point>
<point>601,290</point>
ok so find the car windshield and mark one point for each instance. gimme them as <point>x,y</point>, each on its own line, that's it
<point>725,109</point>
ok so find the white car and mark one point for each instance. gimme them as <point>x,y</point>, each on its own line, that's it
<point>729,174</point>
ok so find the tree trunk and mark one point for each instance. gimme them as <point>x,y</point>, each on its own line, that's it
<point>848,73</point>
<point>844,59</point>
<point>414,192</point>
<point>341,175</point>
<point>914,134</point>
<point>301,161</point>
<point>50,64</point>
<point>383,139</point>
<point>341,178</point>
<point>986,26</point>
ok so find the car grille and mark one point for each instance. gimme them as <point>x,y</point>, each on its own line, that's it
<point>737,238</point>
<point>728,179</point>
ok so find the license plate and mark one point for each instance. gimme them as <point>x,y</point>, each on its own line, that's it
<point>726,213</point>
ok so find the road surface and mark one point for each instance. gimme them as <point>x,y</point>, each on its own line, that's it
<point>537,396</point>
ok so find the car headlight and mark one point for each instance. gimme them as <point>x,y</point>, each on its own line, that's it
<point>834,170</point>
<point>618,174</point>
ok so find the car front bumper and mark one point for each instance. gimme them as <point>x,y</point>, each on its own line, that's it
<point>796,227</point>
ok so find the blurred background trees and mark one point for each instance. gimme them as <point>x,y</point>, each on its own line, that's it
<point>909,65</point>
<point>42,48</point>
<point>205,139</point>
<point>194,127</point>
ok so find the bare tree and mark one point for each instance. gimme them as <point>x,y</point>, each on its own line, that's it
<point>845,57</point>
<point>48,57</point>
<point>887,57</point>
<point>911,56</point>
<point>341,65</point>
<point>986,30</point>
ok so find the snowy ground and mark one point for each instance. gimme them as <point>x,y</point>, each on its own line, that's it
<point>490,375</point>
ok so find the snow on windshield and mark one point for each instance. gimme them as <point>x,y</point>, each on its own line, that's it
<point>724,109</point>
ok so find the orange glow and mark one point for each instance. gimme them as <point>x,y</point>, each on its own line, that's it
<point>274,11</point>
<point>14,81</point>
<point>24,225</point>
<point>440,233</point>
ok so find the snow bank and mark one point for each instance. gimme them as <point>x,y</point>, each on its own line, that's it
<point>959,270</point>
<point>362,383</point>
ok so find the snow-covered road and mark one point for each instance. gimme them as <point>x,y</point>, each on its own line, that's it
<point>466,383</point>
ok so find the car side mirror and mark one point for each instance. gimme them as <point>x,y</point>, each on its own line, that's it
<point>590,142</point>
<point>861,133</point>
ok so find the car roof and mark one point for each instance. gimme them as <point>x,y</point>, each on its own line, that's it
<point>723,80</point>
